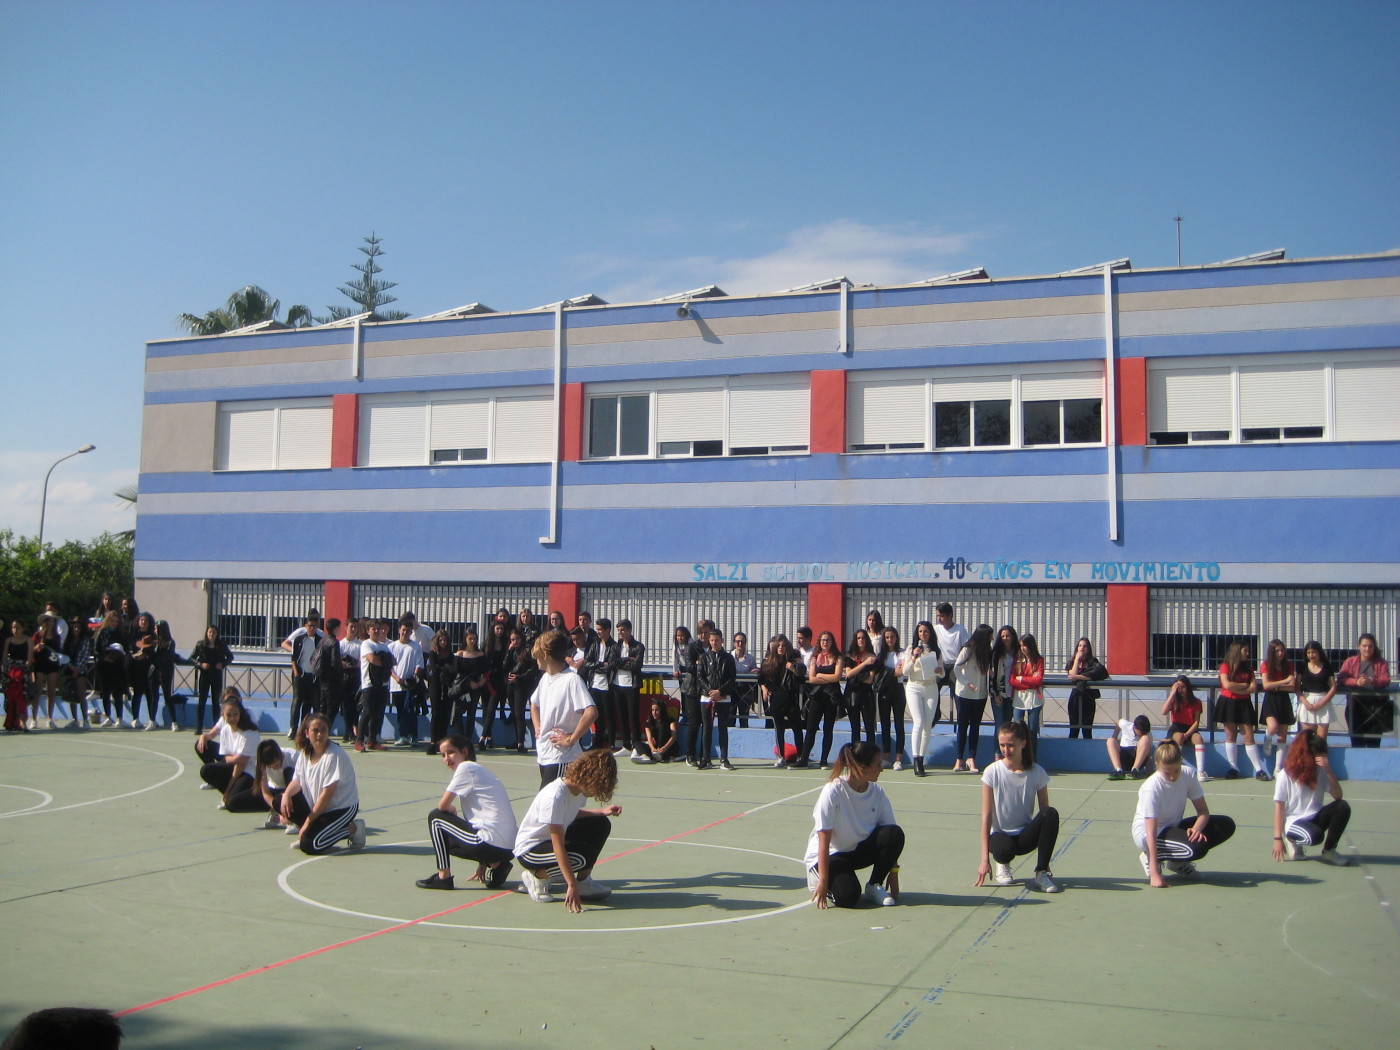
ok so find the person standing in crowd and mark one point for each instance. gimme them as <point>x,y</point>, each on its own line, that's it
<point>141,648</point>
<point>561,709</point>
<point>111,681</point>
<point>889,697</point>
<point>45,665</point>
<point>441,665</point>
<point>323,799</point>
<point>922,666</point>
<point>853,828</point>
<point>1279,683</point>
<point>355,635</point>
<point>745,663</point>
<point>952,638</point>
<point>683,657</point>
<point>473,677</point>
<point>493,697</point>
<point>1083,670</point>
<point>1300,818</point>
<point>422,633</point>
<point>780,680</point>
<point>1235,709</point>
<point>627,682</point>
<point>306,690</point>
<point>1027,686</point>
<point>79,650</point>
<point>526,625</point>
<point>1317,687</point>
<point>599,662</point>
<point>485,829</point>
<point>970,671</point>
<point>715,670</point>
<point>1183,712</point>
<point>556,622</point>
<point>1159,831</point>
<point>376,663</point>
<point>1005,652</point>
<point>163,661</point>
<point>1012,788</point>
<point>326,665</point>
<point>522,675</point>
<point>210,657</point>
<point>405,683</point>
<point>560,839</point>
<point>18,647</point>
<point>823,697</point>
<point>859,676</point>
<point>1370,710</point>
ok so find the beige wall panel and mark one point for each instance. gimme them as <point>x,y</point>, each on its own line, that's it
<point>178,437</point>
<point>183,603</point>
<point>291,355</point>
<point>1261,294</point>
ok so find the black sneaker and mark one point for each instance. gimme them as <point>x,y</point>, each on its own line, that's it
<point>435,882</point>
<point>496,877</point>
<point>724,764</point>
<point>1234,774</point>
<point>1261,775</point>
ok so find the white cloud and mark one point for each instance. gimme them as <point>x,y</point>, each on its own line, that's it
<point>864,253</point>
<point>80,503</point>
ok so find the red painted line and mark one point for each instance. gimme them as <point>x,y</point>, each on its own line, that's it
<point>398,926</point>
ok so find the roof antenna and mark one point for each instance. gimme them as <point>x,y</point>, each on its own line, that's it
<point>1177,220</point>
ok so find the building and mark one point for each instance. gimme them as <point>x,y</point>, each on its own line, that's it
<point>1161,460</point>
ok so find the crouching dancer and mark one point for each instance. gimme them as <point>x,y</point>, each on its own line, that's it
<point>854,828</point>
<point>1159,831</point>
<point>486,829</point>
<point>559,839</point>
<point>322,799</point>
<point>1012,786</point>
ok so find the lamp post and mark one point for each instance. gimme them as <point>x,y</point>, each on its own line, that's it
<point>44,501</point>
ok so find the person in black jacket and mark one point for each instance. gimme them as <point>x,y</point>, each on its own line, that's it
<point>600,656</point>
<point>715,672</point>
<point>522,675</point>
<point>627,682</point>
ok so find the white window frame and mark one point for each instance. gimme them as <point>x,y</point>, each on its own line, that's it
<point>720,417</point>
<point>281,452</point>
<point>932,382</point>
<point>1323,416</point>
<point>426,402</point>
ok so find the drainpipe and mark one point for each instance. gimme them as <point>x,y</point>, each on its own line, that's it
<point>553,536</point>
<point>843,345</point>
<point>1110,401</point>
<point>357,350</point>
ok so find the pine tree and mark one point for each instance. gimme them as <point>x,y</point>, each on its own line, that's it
<point>367,291</point>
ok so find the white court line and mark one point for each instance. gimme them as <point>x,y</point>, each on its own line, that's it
<point>47,798</point>
<point>179,769</point>
<point>282,881</point>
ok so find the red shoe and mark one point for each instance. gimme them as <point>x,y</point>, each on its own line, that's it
<point>359,746</point>
<point>379,747</point>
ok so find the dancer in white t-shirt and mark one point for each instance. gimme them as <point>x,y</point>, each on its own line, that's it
<point>1012,787</point>
<point>1159,830</point>
<point>561,708</point>
<point>1300,818</point>
<point>229,750</point>
<point>560,839</point>
<point>854,828</point>
<point>322,799</point>
<point>485,830</point>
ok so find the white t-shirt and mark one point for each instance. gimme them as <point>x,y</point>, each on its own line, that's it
<point>1014,794</point>
<point>278,775</point>
<point>1300,802</point>
<point>555,804</point>
<point>368,646</point>
<point>333,768</point>
<point>560,700</point>
<point>950,641</point>
<point>234,741</point>
<point>1166,801</point>
<point>308,651</point>
<point>1127,735</point>
<point>485,803</point>
<point>850,816</point>
<point>408,657</point>
<point>626,679</point>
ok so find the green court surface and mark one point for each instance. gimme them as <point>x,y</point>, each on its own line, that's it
<point>123,887</point>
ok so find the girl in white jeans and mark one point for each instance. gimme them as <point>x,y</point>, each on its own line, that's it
<point>921,666</point>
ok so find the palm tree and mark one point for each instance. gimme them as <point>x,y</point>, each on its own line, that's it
<point>249,305</point>
<point>127,494</point>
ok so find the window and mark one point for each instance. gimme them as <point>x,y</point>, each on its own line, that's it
<point>743,416</point>
<point>1296,398</point>
<point>258,614</point>
<point>980,409</point>
<point>274,435</point>
<point>454,429</point>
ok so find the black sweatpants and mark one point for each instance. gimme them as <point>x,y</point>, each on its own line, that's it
<point>1039,835</point>
<point>879,852</point>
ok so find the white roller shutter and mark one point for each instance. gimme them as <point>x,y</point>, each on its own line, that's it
<point>1181,400</point>
<point>1282,396</point>
<point>1366,396</point>
<point>972,388</point>
<point>304,437</point>
<point>459,424</point>
<point>888,413</point>
<point>1057,386</point>
<point>524,430</point>
<point>247,439</point>
<point>393,433</point>
<point>689,415</point>
<point>769,415</point>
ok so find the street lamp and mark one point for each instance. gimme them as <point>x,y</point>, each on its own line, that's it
<point>44,502</point>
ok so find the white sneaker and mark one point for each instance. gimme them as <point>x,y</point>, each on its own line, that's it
<point>292,829</point>
<point>52,724</point>
<point>641,759</point>
<point>898,765</point>
<point>1182,869</point>
<point>107,723</point>
<point>536,887</point>
<point>357,834</point>
<point>134,725</point>
<point>272,824</point>
<point>877,894</point>
<point>619,751</point>
<point>222,805</point>
<point>1146,867</point>
<point>590,889</point>
<point>1332,857</point>
<point>150,726</point>
<point>206,787</point>
<point>1003,875</point>
<point>1044,883</point>
<point>175,727</point>
<point>32,724</point>
<point>1293,850</point>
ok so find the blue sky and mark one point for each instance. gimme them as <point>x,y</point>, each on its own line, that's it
<point>157,156</point>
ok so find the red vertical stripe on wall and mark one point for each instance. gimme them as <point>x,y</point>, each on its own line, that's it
<point>345,430</point>
<point>1132,400</point>
<point>564,598</point>
<point>571,426</point>
<point>1125,648</point>
<point>828,412</point>
<point>337,598</point>
<point>826,608</point>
